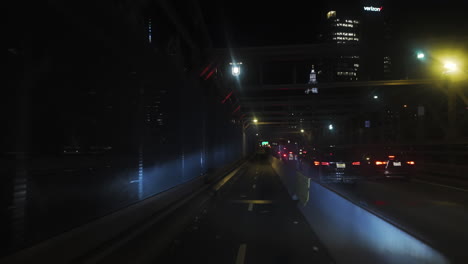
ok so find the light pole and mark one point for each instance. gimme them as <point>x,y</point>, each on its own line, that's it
<point>450,68</point>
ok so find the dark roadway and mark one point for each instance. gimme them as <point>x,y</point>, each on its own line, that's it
<point>251,220</point>
<point>436,214</point>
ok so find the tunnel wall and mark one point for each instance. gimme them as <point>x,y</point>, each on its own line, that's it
<point>351,233</point>
<point>100,117</point>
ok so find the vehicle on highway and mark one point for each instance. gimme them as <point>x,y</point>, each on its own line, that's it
<point>332,165</point>
<point>387,165</point>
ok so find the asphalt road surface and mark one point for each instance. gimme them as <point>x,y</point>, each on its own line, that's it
<point>436,214</point>
<point>251,220</point>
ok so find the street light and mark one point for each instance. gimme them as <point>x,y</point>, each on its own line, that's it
<point>450,67</point>
<point>330,127</point>
<point>302,130</point>
<point>421,55</point>
<point>255,121</point>
<point>376,97</point>
<point>235,68</point>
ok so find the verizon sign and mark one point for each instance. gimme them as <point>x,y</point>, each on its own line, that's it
<point>373,9</point>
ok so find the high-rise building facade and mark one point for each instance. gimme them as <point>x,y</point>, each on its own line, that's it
<point>366,30</point>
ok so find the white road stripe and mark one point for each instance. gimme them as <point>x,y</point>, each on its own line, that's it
<point>241,254</point>
<point>251,207</point>
<point>441,185</point>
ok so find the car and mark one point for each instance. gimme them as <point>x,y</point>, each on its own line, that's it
<point>387,165</point>
<point>332,165</point>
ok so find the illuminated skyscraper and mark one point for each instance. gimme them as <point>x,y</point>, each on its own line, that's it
<point>363,33</point>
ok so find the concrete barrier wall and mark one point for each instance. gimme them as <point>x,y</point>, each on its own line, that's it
<point>351,233</point>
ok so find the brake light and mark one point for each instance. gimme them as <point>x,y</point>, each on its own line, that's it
<point>284,155</point>
<point>279,152</point>
<point>324,163</point>
<point>305,152</point>
<point>391,157</point>
<point>316,163</point>
<point>380,162</point>
<point>290,153</point>
<point>356,163</point>
<point>410,162</point>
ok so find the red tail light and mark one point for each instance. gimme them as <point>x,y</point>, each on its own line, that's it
<point>356,163</point>
<point>290,153</point>
<point>410,162</point>
<point>305,152</point>
<point>284,155</point>
<point>316,163</point>
<point>380,162</point>
<point>391,157</point>
<point>324,163</point>
<point>279,152</point>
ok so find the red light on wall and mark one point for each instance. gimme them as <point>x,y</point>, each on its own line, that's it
<point>316,163</point>
<point>324,163</point>
<point>380,162</point>
<point>356,163</point>
<point>410,162</point>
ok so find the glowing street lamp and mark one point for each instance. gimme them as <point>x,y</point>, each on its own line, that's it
<point>302,130</point>
<point>255,121</point>
<point>450,67</point>
<point>420,55</point>
<point>330,127</point>
<point>235,68</point>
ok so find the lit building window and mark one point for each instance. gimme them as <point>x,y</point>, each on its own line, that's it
<point>149,31</point>
<point>331,14</point>
<point>312,76</point>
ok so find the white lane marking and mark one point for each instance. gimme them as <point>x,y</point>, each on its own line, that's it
<point>241,254</point>
<point>254,186</point>
<point>251,207</point>
<point>441,185</point>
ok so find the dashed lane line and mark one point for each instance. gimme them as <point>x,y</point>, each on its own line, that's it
<point>241,254</point>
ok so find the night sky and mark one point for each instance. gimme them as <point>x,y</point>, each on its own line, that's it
<point>253,23</point>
